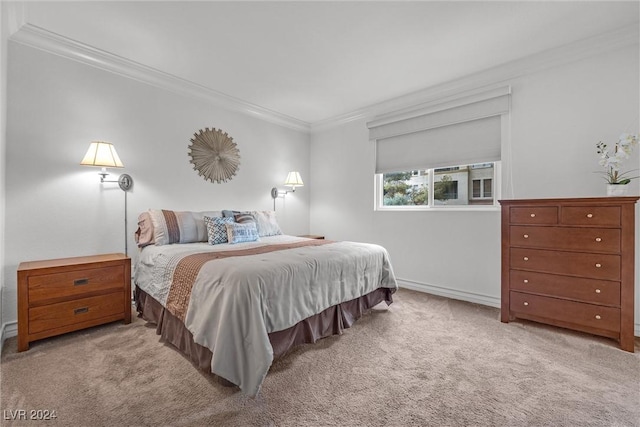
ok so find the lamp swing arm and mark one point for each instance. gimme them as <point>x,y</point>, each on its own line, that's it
<point>293,180</point>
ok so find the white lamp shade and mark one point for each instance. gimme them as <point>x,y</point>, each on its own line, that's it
<point>294,180</point>
<point>102,154</point>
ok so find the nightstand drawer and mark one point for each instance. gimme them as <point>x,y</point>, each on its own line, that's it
<point>591,215</point>
<point>570,312</point>
<point>77,311</point>
<point>595,266</point>
<point>51,286</point>
<point>567,238</point>
<point>547,215</point>
<point>575,288</point>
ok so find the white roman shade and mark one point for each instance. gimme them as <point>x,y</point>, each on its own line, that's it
<point>460,131</point>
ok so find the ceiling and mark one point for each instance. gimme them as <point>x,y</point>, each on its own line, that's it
<point>316,60</point>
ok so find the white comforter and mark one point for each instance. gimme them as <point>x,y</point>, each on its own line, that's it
<point>235,302</point>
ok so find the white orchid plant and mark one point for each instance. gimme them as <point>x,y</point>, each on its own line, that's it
<point>611,159</point>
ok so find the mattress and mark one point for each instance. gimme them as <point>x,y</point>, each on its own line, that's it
<point>231,297</point>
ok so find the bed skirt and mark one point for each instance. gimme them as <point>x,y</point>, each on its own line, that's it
<point>331,321</point>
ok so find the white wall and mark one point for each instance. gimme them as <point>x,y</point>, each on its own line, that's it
<point>3,127</point>
<point>558,116</point>
<point>57,208</point>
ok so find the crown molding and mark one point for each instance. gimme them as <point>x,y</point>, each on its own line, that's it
<point>40,38</point>
<point>498,75</point>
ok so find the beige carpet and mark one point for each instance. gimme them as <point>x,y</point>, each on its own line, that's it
<point>425,361</point>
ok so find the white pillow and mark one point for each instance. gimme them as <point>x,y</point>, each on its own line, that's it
<point>266,223</point>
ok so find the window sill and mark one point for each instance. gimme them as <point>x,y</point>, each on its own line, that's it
<point>491,208</point>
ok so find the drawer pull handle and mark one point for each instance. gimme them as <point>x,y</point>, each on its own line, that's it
<point>533,215</point>
<point>81,310</point>
<point>598,239</point>
<point>79,282</point>
<point>598,291</point>
<point>526,303</point>
<point>589,215</point>
<point>526,236</point>
<point>526,280</point>
<point>598,317</point>
<point>526,258</point>
<point>598,265</point>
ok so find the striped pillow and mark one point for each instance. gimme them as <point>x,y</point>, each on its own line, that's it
<point>238,233</point>
<point>244,218</point>
<point>216,229</point>
<point>179,227</point>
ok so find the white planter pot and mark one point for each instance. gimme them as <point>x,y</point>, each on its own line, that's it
<point>617,190</point>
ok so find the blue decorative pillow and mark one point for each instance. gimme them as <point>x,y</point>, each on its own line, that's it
<point>238,233</point>
<point>216,229</point>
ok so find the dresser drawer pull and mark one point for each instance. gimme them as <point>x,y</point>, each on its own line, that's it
<point>598,317</point>
<point>533,215</point>
<point>589,215</point>
<point>79,282</point>
<point>525,303</point>
<point>526,280</point>
<point>598,265</point>
<point>526,236</point>
<point>81,310</point>
<point>598,239</point>
<point>598,291</point>
<point>526,258</point>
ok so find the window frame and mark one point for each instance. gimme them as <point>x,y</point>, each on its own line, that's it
<point>431,206</point>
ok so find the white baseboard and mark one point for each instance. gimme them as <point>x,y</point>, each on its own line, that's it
<point>8,330</point>
<point>450,293</point>
<point>466,296</point>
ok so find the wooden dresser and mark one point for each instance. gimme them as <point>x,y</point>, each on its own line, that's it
<point>63,295</point>
<point>570,263</point>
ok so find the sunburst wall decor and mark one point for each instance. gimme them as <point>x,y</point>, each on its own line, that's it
<point>214,155</point>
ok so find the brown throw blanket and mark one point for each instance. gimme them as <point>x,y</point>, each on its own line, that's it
<point>188,268</point>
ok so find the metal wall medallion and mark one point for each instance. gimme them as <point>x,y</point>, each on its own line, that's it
<point>214,155</point>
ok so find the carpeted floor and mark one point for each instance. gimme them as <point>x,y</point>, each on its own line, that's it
<point>426,361</point>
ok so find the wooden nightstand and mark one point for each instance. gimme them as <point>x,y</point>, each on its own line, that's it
<point>63,295</point>
<point>312,236</point>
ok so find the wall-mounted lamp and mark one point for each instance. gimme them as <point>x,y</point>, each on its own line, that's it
<point>104,155</point>
<point>293,180</point>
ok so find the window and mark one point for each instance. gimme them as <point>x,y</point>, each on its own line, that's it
<point>476,188</point>
<point>405,188</point>
<point>488,189</point>
<point>453,144</point>
<point>456,186</point>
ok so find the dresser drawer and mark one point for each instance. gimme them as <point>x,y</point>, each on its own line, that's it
<point>596,266</point>
<point>567,238</point>
<point>594,215</point>
<point>584,290</point>
<point>590,315</point>
<point>534,215</point>
<point>76,311</point>
<point>72,283</point>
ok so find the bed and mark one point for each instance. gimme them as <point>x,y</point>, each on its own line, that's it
<point>231,308</point>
